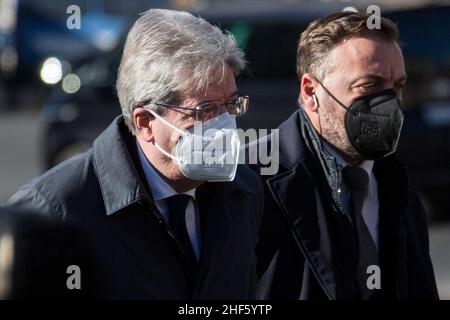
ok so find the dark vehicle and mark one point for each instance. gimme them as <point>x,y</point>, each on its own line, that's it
<point>269,37</point>
<point>39,46</point>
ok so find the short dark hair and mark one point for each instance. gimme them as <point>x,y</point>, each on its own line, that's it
<point>324,34</point>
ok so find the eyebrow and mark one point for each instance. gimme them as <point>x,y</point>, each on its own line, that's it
<point>235,93</point>
<point>375,77</point>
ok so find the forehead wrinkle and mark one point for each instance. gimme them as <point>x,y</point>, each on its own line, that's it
<point>374,58</point>
<point>216,91</point>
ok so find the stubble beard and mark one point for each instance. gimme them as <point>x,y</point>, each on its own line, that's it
<point>333,132</point>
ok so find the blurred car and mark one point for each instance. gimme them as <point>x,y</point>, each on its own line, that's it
<point>79,110</point>
<point>269,37</point>
<point>38,45</point>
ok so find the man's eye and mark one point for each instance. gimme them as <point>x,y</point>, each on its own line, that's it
<point>231,103</point>
<point>369,85</point>
<point>208,107</point>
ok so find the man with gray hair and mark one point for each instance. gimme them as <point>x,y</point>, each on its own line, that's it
<point>172,213</point>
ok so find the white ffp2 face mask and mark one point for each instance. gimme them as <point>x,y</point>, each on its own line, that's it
<point>207,152</point>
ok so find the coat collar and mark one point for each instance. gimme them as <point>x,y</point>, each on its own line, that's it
<point>118,177</point>
<point>292,146</point>
<point>118,172</point>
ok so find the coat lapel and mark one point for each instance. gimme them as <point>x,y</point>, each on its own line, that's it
<point>298,198</point>
<point>215,216</point>
<point>217,211</point>
<point>215,220</point>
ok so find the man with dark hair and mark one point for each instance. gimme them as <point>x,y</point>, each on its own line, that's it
<point>340,221</point>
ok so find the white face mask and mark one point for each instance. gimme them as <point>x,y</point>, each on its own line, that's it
<point>207,152</point>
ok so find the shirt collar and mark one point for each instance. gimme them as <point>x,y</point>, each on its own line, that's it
<point>159,188</point>
<point>367,165</point>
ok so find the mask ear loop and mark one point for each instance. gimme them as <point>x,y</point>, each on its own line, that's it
<point>167,123</point>
<point>333,97</point>
<point>316,102</point>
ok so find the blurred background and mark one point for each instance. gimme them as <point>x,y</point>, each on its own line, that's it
<point>57,83</point>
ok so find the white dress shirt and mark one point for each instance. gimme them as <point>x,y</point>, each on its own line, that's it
<point>371,204</point>
<point>161,190</point>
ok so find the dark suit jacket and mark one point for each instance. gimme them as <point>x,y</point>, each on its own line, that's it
<point>136,254</point>
<point>297,256</point>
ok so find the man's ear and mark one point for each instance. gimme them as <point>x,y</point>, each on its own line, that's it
<point>308,86</point>
<point>143,122</point>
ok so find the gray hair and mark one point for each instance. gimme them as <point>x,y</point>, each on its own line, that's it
<point>168,53</point>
